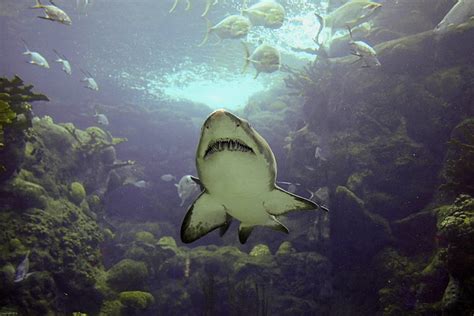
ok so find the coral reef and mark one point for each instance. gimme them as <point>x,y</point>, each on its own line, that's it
<point>136,300</point>
<point>398,159</point>
<point>128,274</point>
<point>15,118</point>
<point>45,212</point>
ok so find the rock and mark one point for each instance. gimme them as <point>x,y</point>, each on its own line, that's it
<point>415,234</point>
<point>356,234</point>
<point>77,193</point>
<point>30,194</point>
<point>110,308</point>
<point>146,237</point>
<point>136,300</point>
<point>260,250</point>
<point>128,275</point>
<point>285,248</point>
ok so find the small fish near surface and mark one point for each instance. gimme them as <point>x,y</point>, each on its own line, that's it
<point>22,269</point>
<point>266,13</point>
<point>459,13</point>
<point>365,52</point>
<point>265,58</point>
<point>66,66</point>
<point>53,13</point>
<point>101,119</point>
<point>36,58</point>
<point>237,171</point>
<point>187,187</point>
<point>208,4</point>
<point>90,81</point>
<point>167,177</point>
<point>141,184</point>
<point>350,15</point>
<point>232,27</point>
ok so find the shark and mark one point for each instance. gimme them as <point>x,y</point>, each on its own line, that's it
<point>237,173</point>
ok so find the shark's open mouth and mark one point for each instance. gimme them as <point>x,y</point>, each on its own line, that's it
<point>227,144</point>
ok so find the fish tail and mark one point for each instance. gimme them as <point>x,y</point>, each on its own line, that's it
<point>174,6</point>
<point>206,37</point>
<point>27,51</point>
<point>247,57</point>
<point>208,5</point>
<point>323,208</point>
<point>321,27</point>
<point>188,5</point>
<point>38,5</point>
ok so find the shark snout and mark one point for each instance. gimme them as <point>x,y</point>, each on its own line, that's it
<point>217,114</point>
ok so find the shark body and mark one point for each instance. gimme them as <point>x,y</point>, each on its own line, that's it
<point>237,171</point>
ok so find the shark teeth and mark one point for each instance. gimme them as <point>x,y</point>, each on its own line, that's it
<point>227,144</point>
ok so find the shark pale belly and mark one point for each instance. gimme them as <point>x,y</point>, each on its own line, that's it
<point>237,173</point>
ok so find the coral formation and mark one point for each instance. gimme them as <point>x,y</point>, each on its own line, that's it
<point>77,193</point>
<point>136,300</point>
<point>128,274</point>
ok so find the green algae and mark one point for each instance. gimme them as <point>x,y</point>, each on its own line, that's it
<point>136,300</point>
<point>77,193</point>
<point>260,250</point>
<point>128,274</point>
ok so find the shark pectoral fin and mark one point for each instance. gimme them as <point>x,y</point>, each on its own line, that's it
<point>244,233</point>
<point>275,224</point>
<point>280,202</point>
<point>203,216</point>
<point>223,229</point>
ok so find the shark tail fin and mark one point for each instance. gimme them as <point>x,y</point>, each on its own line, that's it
<point>174,6</point>
<point>244,233</point>
<point>206,37</point>
<point>203,216</point>
<point>279,202</point>
<point>247,57</point>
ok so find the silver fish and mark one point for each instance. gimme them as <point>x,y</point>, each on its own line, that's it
<point>187,187</point>
<point>66,66</point>
<point>22,269</point>
<point>53,13</point>
<point>36,58</point>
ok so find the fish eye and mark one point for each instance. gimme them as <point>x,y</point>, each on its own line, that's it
<point>207,126</point>
<point>238,124</point>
